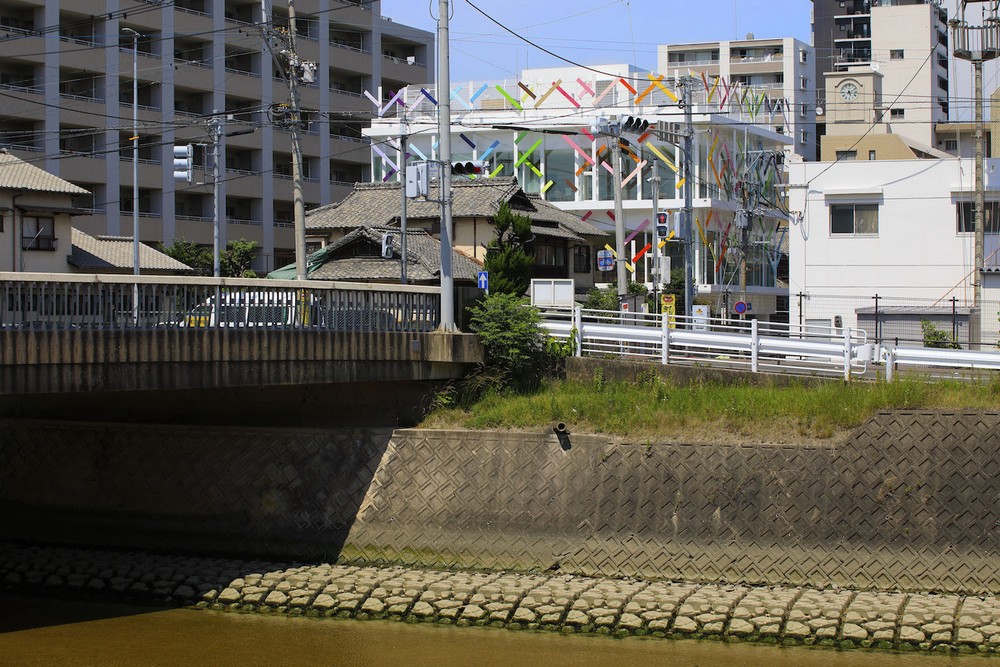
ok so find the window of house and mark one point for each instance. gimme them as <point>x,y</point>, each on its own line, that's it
<point>854,218</point>
<point>895,54</point>
<point>896,113</point>
<point>951,144</point>
<point>581,259</point>
<point>803,56</point>
<point>871,155</point>
<point>966,214</point>
<point>804,83</point>
<point>847,155</point>
<point>38,233</point>
<point>550,254</point>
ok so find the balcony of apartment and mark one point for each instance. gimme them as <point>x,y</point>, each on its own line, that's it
<point>191,103</point>
<point>193,207</point>
<point>149,208</point>
<point>708,58</point>
<point>81,151</point>
<point>192,16</point>
<point>16,19</point>
<point>22,136</point>
<point>348,91</point>
<point>350,48</point>
<point>403,60</point>
<point>193,63</point>
<point>853,8</point>
<point>81,40</point>
<point>242,213</point>
<point>845,57</point>
<point>356,12</point>
<point>855,27</point>
<point>348,145</point>
<point>149,164</point>
<point>345,174</point>
<point>20,78</point>
<point>148,94</point>
<point>81,91</point>
<point>243,69</point>
<point>242,172</point>
<point>242,12</point>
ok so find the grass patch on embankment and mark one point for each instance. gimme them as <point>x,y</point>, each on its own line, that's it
<point>656,408</point>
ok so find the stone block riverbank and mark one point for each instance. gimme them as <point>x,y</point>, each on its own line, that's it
<point>832,617</point>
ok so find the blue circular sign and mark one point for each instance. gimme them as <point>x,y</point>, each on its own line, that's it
<point>605,260</point>
<point>740,307</point>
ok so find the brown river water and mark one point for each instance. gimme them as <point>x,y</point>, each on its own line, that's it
<point>49,631</point>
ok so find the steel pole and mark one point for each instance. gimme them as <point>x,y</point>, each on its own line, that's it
<point>444,139</point>
<point>688,200</point>
<point>616,159</point>
<point>403,139</point>
<point>656,238</point>
<point>299,208</point>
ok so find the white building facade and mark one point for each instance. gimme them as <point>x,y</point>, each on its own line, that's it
<point>897,236</point>
<point>784,67</point>
<point>539,129</point>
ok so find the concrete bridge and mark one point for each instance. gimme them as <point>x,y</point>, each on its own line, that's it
<point>63,335</point>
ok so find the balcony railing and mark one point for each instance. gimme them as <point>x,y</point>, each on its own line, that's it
<point>38,242</point>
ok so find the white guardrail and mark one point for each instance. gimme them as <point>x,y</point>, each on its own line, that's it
<point>752,345</point>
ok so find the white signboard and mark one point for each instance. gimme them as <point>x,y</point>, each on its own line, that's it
<point>550,292</point>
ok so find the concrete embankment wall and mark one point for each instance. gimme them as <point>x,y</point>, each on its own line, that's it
<point>911,501</point>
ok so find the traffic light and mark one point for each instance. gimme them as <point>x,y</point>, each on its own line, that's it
<point>663,225</point>
<point>183,163</point>
<point>470,168</point>
<point>387,246</point>
<point>634,125</point>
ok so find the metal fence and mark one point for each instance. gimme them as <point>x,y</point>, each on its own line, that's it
<point>809,349</point>
<point>898,321</point>
<point>56,301</point>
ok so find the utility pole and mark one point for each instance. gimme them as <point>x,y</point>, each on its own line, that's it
<point>978,44</point>
<point>295,127</point>
<point>217,218</point>
<point>404,138</point>
<point>616,160</point>
<point>135,149</point>
<point>655,180</point>
<point>688,200</point>
<point>444,140</point>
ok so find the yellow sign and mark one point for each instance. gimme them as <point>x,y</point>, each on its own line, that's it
<point>668,307</point>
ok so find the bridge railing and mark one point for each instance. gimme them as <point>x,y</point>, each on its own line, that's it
<point>751,345</point>
<point>88,301</point>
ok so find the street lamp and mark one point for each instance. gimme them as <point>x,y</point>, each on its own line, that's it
<point>135,149</point>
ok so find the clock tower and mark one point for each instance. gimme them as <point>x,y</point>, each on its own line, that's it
<point>853,100</point>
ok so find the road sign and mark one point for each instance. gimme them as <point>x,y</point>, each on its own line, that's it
<point>668,307</point>
<point>605,260</point>
<point>741,307</point>
<point>483,279</point>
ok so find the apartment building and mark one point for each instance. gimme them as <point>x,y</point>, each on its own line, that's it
<point>66,85</point>
<point>890,56</point>
<point>780,68</point>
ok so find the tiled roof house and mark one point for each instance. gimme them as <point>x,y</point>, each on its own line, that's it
<point>563,242</point>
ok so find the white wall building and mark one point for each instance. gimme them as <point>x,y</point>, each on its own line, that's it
<point>539,129</point>
<point>784,68</point>
<point>902,230</point>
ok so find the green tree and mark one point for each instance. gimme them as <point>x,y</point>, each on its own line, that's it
<point>509,259</point>
<point>513,341</point>
<point>934,337</point>
<point>237,259</point>
<point>607,298</point>
<point>234,262</point>
<point>198,257</point>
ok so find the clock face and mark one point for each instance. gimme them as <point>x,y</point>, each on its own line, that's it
<point>849,92</point>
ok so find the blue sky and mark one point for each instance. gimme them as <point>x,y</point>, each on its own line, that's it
<point>592,32</point>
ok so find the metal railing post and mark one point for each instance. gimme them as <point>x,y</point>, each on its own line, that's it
<point>754,345</point>
<point>578,326</point>
<point>847,353</point>
<point>664,339</point>
<point>890,364</point>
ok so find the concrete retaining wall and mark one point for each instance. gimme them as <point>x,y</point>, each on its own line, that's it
<point>912,501</point>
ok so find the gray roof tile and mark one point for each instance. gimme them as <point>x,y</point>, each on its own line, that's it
<point>115,253</point>
<point>16,174</point>
<point>378,204</point>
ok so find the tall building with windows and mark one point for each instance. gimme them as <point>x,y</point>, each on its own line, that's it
<point>783,69</point>
<point>66,90</point>
<point>889,57</point>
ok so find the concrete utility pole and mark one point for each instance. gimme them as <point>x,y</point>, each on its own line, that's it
<point>218,217</point>
<point>616,159</point>
<point>688,199</point>
<point>135,149</point>
<point>295,127</point>
<point>444,140</point>
<point>978,44</point>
